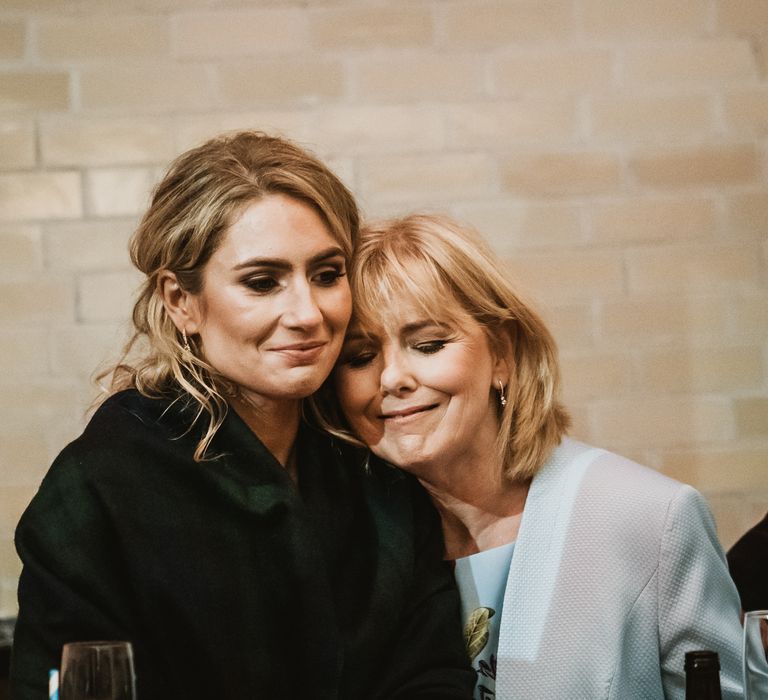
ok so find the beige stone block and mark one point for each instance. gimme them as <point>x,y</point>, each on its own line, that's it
<point>54,195</point>
<point>194,129</point>
<point>9,606</point>
<point>700,61</point>
<point>700,369</point>
<point>652,421</point>
<point>435,176</point>
<point>752,416</point>
<point>17,145</point>
<point>571,324</point>
<point>88,245</point>
<point>742,16</point>
<point>687,267</point>
<point>749,316</point>
<point>652,117</point>
<point>20,248</point>
<point>553,70</point>
<point>595,375</point>
<point>85,350</point>
<point>107,296</point>
<point>240,32</point>
<point>748,214</point>
<point>607,18</point>
<point>640,219</point>
<point>28,301</point>
<point>509,226</point>
<point>10,564</point>
<point>119,191</point>
<point>498,124</point>
<point>102,35</point>
<point>735,512</point>
<point>46,403</point>
<point>719,471</point>
<point>145,87</point>
<point>367,27</point>
<point>747,110</point>
<point>418,77</point>
<point>568,275</point>
<point>33,90</point>
<point>657,320</point>
<point>486,23</point>
<point>760,45</point>
<point>561,173</point>
<point>385,129</point>
<point>24,457</point>
<point>303,80</point>
<point>95,142</point>
<point>13,501</point>
<point>23,352</point>
<point>12,38</point>
<point>729,164</point>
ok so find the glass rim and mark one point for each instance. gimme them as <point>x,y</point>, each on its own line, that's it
<point>98,643</point>
<point>755,613</point>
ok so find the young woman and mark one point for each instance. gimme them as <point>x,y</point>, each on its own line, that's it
<point>198,516</point>
<point>582,574</point>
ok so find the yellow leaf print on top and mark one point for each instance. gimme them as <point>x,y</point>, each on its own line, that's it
<point>476,630</point>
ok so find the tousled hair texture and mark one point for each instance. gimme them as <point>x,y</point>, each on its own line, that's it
<point>199,197</point>
<point>450,274</point>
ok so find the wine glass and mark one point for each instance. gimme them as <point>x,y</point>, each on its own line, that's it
<point>755,655</point>
<point>97,671</point>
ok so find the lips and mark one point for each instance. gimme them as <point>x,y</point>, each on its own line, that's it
<point>405,413</point>
<point>301,353</point>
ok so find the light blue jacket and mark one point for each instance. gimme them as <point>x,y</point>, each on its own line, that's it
<point>617,572</point>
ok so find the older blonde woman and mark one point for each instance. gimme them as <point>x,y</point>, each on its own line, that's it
<point>582,574</point>
<point>198,516</point>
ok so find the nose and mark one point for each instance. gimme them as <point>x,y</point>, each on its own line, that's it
<point>302,310</point>
<point>396,375</point>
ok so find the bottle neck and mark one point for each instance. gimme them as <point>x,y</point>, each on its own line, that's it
<point>702,685</point>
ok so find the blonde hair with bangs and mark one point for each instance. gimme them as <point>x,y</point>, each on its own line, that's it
<point>448,271</point>
<point>199,197</point>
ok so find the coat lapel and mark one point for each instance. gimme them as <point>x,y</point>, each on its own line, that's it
<point>538,553</point>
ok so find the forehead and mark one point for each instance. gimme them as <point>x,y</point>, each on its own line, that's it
<point>275,226</point>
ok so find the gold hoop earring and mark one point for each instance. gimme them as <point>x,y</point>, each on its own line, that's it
<point>185,340</point>
<point>502,398</point>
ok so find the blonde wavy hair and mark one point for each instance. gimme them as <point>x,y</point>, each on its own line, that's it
<point>449,272</point>
<point>199,197</point>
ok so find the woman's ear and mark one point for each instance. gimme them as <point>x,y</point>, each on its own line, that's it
<point>182,306</point>
<point>501,347</point>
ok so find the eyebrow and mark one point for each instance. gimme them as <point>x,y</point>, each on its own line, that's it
<point>406,329</point>
<point>419,325</point>
<point>283,264</point>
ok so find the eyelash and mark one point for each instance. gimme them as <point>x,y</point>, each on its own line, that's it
<point>431,347</point>
<point>364,358</point>
<point>325,278</point>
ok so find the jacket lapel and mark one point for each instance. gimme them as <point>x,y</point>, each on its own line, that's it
<point>539,551</point>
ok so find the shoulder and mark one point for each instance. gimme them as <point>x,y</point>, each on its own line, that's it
<point>633,499</point>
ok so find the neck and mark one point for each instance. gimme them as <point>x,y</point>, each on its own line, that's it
<point>276,424</point>
<point>479,511</point>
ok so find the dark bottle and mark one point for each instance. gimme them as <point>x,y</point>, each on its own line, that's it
<point>702,676</point>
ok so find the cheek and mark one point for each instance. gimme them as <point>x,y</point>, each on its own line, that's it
<point>353,391</point>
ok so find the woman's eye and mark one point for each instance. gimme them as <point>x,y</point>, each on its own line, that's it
<point>329,277</point>
<point>430,347</point>
<point>360,359</point>
<point>261,285</point>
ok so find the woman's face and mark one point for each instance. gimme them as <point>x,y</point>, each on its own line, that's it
<point>275,301</point>
<point>421,394</point>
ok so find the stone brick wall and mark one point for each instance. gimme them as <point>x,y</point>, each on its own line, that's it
<point>614,152</point>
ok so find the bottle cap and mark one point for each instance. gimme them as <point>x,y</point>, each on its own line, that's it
<point>702,660</point>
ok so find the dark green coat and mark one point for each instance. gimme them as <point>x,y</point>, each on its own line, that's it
<point>230,582</point>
